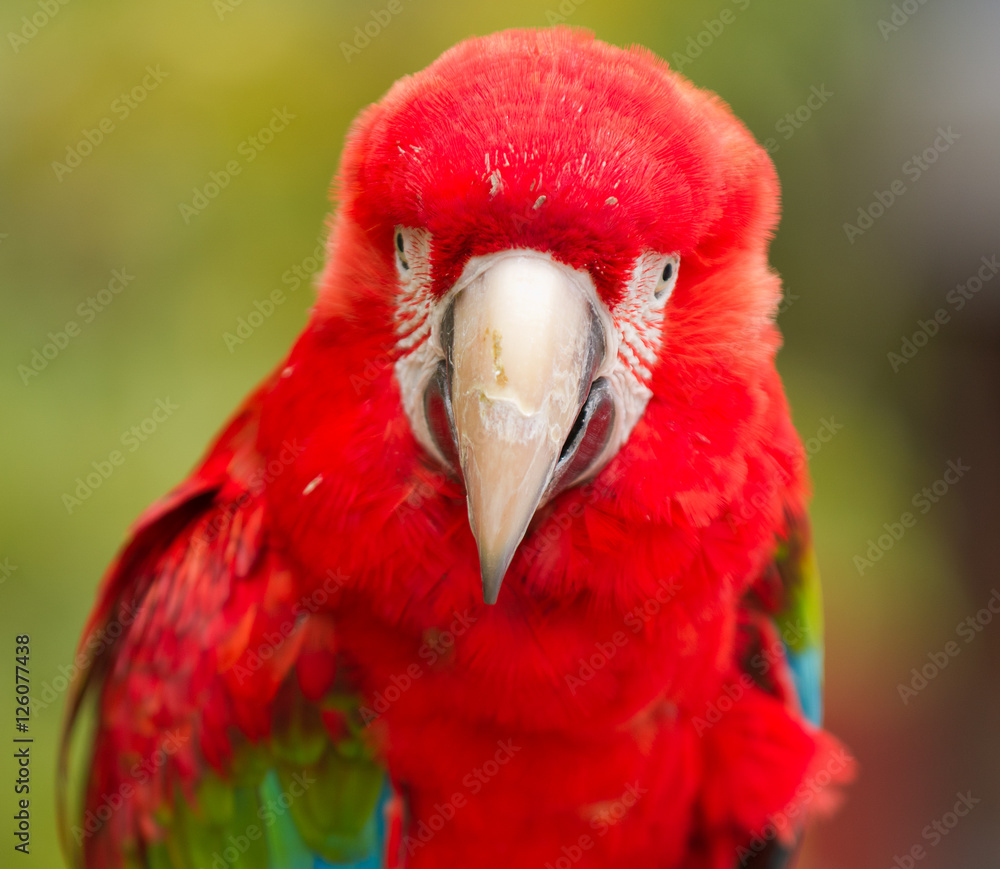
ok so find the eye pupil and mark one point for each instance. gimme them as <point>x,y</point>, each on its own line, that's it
<point>402,251</point>
<point>668,271</point>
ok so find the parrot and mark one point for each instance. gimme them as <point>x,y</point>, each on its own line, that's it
<point>508,562</point>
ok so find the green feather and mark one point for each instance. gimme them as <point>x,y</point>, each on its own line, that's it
<point>335,813</point>
<point>299,737</point>
<point>215,799</point>
<point>801,621</point>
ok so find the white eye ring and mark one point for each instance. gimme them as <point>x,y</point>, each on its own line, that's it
<point>402,238</point>
<point>667,278</point>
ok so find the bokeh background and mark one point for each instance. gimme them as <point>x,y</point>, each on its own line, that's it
<point>181,86</point>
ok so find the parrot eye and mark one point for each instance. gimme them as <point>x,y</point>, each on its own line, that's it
<point>401,259</point>
<point>668,277</point>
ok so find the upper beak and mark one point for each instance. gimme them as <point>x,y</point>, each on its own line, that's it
<point>526,342</point>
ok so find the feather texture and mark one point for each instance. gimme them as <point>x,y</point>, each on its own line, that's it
<point>295,640</point>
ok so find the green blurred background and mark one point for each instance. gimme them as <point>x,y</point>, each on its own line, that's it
<point>219,72</point>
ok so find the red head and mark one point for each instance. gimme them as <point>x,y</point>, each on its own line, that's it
<point>549,263</point>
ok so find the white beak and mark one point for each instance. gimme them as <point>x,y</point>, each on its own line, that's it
<point>526,343</point>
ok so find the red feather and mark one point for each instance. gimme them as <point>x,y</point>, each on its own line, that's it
<point>566,718</point>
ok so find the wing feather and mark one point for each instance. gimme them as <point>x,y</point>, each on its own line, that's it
<point>213,746</point>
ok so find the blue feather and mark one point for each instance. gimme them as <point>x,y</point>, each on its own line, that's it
<point>807,674</point>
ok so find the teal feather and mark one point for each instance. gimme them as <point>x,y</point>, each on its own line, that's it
<point>285,844</point>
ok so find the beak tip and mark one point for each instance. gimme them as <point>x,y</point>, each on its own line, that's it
<point>493,573</point>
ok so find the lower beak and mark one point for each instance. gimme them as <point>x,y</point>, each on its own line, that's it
<point>525,345</point>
